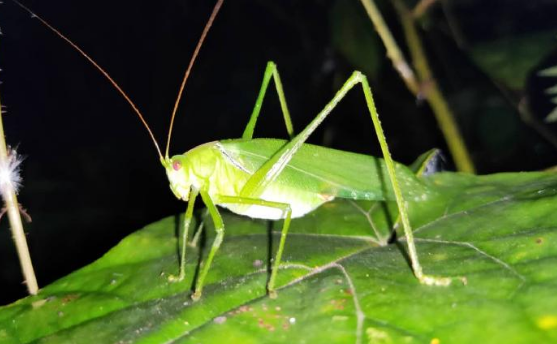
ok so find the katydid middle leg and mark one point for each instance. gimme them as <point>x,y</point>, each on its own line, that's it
<point>219,228</point>
<point>272,168</point>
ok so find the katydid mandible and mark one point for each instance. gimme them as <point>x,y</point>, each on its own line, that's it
<point>275,179</point>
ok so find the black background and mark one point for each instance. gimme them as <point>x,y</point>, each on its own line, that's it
<point>91,174</point>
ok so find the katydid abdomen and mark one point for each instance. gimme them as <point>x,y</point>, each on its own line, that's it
<point>315,175</point>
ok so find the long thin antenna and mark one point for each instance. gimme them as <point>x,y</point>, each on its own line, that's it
<point>84,54</point>
<point>190,66</point>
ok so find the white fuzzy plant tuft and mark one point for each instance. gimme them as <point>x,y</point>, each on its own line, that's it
<point>10,176</point>
<point>10,183</point>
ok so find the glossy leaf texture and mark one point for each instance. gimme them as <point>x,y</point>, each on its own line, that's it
<point>340,283</point>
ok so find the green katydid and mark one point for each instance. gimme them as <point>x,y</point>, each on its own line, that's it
<point>277,179</point>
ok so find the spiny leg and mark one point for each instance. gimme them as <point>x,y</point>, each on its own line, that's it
<point>420,167</point>
<point>272,168</point>
<point>401,204</point>
<point>270,71</point>
<point>286,215</point>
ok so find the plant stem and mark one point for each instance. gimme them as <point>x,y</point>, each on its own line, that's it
<point>421,7</point>
<point>14,217</point>
<point>393,51</point>
<point>434,97</point>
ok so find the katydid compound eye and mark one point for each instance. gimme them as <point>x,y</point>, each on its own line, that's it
<point>176,165</point>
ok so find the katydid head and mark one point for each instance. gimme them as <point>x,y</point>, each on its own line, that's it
<point>179,175</point>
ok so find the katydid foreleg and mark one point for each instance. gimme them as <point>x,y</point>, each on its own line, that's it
<point>210,202</point>
<point>185,231</point>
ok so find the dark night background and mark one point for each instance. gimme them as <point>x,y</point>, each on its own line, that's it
<point>91,175</point>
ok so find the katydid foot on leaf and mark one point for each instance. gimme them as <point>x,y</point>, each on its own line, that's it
<point>277,179</point>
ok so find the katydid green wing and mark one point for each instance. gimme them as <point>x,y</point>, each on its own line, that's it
<point>327,171</point>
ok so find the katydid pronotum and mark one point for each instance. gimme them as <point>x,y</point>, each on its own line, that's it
<point>274,179</point>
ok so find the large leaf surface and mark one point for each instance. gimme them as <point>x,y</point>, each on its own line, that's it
<point>496,235</point>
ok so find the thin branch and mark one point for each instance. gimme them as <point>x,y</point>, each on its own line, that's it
<point>421,7</point>
<point>9,180</point>
<point>443,114</point>
<point>393,51</point>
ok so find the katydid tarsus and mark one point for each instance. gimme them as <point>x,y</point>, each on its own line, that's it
<point>276,179</point>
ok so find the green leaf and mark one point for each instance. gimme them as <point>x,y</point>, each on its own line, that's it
<point>496,233</point>
<point>509,60</point>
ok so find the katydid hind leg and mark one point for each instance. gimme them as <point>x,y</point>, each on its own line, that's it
<point>272,168</point>
<point>401,204</point>
<point>271,71</point>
